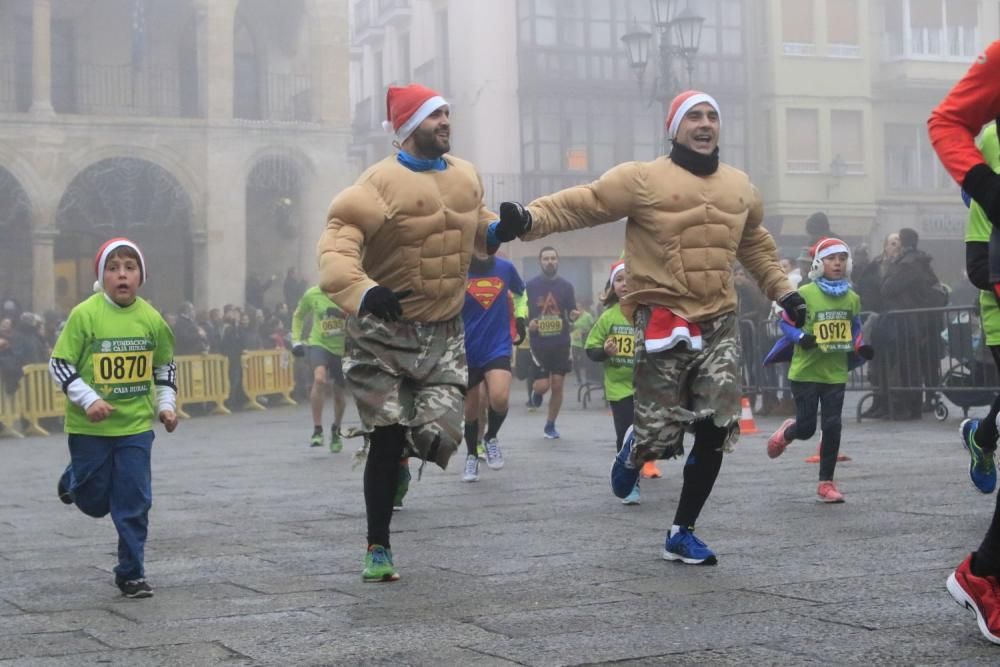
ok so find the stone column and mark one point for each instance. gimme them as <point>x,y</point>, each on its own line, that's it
<point>216,20</point>
<point>199,243</point>
<point>43,286</point>
<point>225,252</point>
<point>41,57</point>
<point>330,59</point>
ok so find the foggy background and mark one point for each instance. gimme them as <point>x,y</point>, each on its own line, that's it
<point>215,132</point>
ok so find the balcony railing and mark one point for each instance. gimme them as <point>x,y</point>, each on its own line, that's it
<point>526,187</point>
<point>390,5</point>
<point>123,90</point>
<point>956,43</point>
<point>284,97</point>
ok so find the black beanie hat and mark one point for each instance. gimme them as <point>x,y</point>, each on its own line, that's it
<point>908,238</point>
<point>818,224</point>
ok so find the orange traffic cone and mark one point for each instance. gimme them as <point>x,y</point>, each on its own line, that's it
<point>815,457</point>
<point>747,425</point>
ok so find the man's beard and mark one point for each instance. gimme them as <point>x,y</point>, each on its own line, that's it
<point>429,145</point>
<point>550,270</point>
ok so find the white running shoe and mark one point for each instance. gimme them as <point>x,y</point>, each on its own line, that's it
<point>494,457</point>
<point>471,473</point>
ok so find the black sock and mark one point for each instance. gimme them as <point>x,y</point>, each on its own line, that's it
<point>471,436</point>
<point>494,423</point>
<point>700,472</point>
<point>986,434</point>
<point>317,429</point>
<point>385,448</point>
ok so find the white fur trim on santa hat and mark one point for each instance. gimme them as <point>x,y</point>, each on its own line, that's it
<point>616,268</point>
<point>105,252</point>
<point>687,105</point>
<point>429,106</point>
<point>825,248</point>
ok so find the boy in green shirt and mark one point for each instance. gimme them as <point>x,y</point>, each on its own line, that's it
<point>821,359</point>
<point>115,361</point>
<point>325,353</point>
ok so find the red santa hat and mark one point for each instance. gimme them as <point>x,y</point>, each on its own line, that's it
<point>105,251</point>
<point>616,268</point>
<point>684,103</point>
<point>408,106</point>
<point>824,248</point>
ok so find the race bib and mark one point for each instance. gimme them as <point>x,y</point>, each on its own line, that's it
<point>550,325</point>
<point>331,326</point>
<point>123,367</point>
<point>625,342</point>
<point>832,330</point>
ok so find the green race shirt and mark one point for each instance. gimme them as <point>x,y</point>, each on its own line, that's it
<point>581,327</point>
<point>978,228</point>
<point>115,351</point>
<point>617,369</point>
<point>327,330</point>
<point>828,318</point>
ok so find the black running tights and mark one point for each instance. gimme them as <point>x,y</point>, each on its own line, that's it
<point>385,449</point>
<point>622,412</point>
<point>700,471</point>
<point>987,558</point>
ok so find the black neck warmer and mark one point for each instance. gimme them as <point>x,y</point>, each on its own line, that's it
<point>697,163</point>
<point>481,265</point>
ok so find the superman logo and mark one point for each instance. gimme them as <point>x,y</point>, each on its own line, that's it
<point>485,290</point>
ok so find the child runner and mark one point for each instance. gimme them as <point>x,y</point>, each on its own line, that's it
<point>612,342</point>
<point>115,361</point>
<point>488,345</point>
<point>820,354</point>
<point>325,351</point>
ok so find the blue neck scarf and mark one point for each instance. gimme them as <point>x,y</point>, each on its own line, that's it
<point>420,164</point>
<point>833,287</point>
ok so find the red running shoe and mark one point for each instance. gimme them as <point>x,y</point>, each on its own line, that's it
<point>981,595</point>
<point>776,443</point>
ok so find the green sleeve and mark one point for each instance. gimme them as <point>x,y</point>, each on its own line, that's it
<point>298,316</point>
<point>978,227</point>
<point>164,353</point>
<point>599,333</point>
<point>521,304</point>
<point>72,339</point>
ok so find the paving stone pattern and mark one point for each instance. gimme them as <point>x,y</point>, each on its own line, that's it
<point>256,543</point>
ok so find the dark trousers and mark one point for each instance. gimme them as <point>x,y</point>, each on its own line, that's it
<point>829,399</point>
<point>622,412</point>
<point>987,558</point>
<point>385,448</point>
<point>112,475</point>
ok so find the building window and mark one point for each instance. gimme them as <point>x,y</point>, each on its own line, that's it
<point>797,27</point>
<point>404,57</point>
<point>910,162</point>
<point>842,29</point>
<point>847,137</point>
<point>931,29</point>
<point>802,140</point>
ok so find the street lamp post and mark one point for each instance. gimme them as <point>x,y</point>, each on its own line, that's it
<point>678,35</point>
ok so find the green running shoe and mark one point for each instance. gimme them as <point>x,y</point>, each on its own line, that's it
<point>378,565</point>
<point>403,485</point>
<point>481,451</point>
<point>336,444</point>
<point>317,439</point>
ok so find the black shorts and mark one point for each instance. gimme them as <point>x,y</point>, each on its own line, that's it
<point>320,356</point>
<point>551,361</point>
<point>476,375</point>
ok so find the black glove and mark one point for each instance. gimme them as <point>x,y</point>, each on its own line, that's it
<point>514,221</point>
<point>298,350</point>
<point>866,352</point>
<point>795,306</point>
<point>983,185</point>
<point>383,303</point>
<point>808,341</point>
<point>522,331</point>
<point>331,312</point>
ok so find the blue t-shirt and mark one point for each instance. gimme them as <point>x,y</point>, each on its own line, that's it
<point>486,312</point>
<point>550,301</point>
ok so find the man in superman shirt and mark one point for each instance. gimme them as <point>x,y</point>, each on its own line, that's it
<point>488,346</point>
<point>953,126</point>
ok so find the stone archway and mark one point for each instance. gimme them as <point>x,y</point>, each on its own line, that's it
<point>274,205</point>
<point>16,276</point>
<point>126,196</point>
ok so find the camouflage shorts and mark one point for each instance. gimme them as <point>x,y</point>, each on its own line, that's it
<point>678,387</point>
<point>409,373</point>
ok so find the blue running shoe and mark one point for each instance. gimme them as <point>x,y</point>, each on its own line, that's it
<point>550,431</point>
<point>687,548</point>
<point>632,498</point>
<point>982,467</point>
<point>624,474</point>
<point>535,400</point>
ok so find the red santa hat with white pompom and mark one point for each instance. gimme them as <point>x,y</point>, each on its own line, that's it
<point>407,107</point>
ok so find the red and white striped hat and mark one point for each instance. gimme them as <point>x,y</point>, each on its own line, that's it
<point>408,106</point>
<point>616,268</point>
<point>684,103</point>
<point>105,251</point>
<point>824,248</point>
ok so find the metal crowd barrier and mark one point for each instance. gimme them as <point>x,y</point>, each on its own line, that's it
<point>41,398</point>
<point>928,358</point>
<point>202,378</point>
<point>267,372</point>
<point>10,412</point>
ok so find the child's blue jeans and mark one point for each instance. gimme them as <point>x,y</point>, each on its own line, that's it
<point>112,474</point>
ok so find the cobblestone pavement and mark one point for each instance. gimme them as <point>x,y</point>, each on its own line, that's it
<point>256,543</point>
